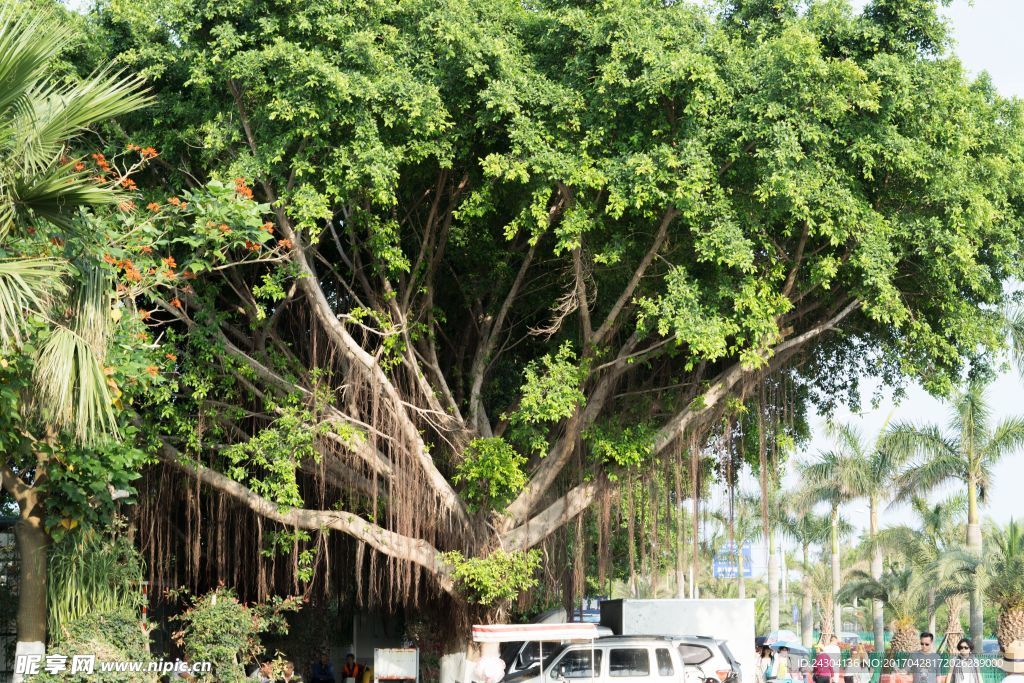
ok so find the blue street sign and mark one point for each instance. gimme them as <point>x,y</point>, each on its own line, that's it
<point>724,564</point>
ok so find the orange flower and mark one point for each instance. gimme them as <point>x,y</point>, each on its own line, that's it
<point>126,206</point>
<point>268,227</point>
<point>223,227</point>
<point>174,201</point>
<point>252,246</point>
<point>170,357</point>
<point>153,206</point>
<point>176,302</point>
<point>107,258</point>
<point>132,274</point>
<point>132,148</point>
<point>146,249</point>
<point>148,152</point>
<point>169,262</point>
<point>142,336</point>
<point>242,189</point>
<point>153,370</point>
<point>285,243</point>
<point>188,275</point>
<point>169,274</point>
<point>144,314</point>
<point>128,183</point>
<point>80,166</point>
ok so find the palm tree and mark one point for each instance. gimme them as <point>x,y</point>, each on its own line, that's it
<point>933,548</point>
<point>807,529</point>
<point>901,591</point>
<point>1005,582</point>
<point>868,470</point>
<point>825,481</point>
<point>40,186</point>
<point>821,588</point>
<point>744,529</point>
<point>966,452</point>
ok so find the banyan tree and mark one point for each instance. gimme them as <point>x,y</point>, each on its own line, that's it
<point>498,253</point>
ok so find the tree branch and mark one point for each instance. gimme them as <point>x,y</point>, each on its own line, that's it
<point>367,364</point>
<point>627,294</point>
<point>386,542</point>
<point>554,516</point>
<point>729,378</point>
<point>492,327</point>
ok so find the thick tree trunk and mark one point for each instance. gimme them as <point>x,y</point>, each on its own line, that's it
<point>837,609</point>
<point>877,609</point>
<point>806,607</point>
<point>32,544</point>
<point>954,629</point>
<point>975,548</point>
<point>773,582</point>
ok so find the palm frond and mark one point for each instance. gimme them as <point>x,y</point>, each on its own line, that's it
<point>922,477</point>
<point>907,441</point>
<point>26,285</point>
<point>73,390</point>
<point>1006,438</point>
<point>55,193</point>
<point>61,112</point>
<point>28,43</point>
<point>971,414</point>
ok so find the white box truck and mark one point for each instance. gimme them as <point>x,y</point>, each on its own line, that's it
<point>721,619</point>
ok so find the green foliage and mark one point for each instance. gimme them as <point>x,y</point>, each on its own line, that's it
<point>217,628</point>
<point>551,388</point>
<point>492,471</point>
<point>92,573</point>
<point>1005,570</point>
<point>551,391</point>
<point>499,577</point>
<point>268,462</point>
<point>623,447</point>
<point>112,636</point>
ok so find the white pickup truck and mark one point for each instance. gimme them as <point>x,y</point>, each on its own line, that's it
<point>633,659</point>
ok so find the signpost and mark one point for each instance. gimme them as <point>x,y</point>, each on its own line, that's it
<point>396,664</point>
<point>724,565</point>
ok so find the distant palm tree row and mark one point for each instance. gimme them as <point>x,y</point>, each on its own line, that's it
<point>941,560</point>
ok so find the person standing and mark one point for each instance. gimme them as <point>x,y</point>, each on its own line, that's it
<point>964,668</point>
<point>351,669</point>
<point>824,667</point>
<point>925,664</point>
<point>289,675</point>
<point>782,666</point>
<point>1012,662</point>
<point>322,671</point>
<point>264,673</point>
<point>766,665</point>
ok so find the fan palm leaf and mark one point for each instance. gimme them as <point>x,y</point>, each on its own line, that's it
<point>39,115</point>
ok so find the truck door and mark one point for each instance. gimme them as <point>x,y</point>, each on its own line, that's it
<point>630,665</point>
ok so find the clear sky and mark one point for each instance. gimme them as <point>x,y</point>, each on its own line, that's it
<point>988,39</point>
